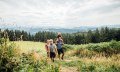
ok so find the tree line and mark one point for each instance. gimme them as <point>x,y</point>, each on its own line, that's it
<point>99,35</point>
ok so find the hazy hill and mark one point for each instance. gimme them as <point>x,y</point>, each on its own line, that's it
<point>55,29</point>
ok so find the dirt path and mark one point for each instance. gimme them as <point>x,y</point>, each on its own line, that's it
<point>68,69</point>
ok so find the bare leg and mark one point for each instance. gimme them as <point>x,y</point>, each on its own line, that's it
<point>59,56</point>
<point>62,56</point>
<point>52,59</point>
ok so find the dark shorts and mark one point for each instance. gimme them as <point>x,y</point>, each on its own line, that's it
<point>60,51</point>
<point>52,55</point>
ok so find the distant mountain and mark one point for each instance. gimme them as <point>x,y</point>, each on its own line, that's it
<point>112,26</point>
<point>33,30</point>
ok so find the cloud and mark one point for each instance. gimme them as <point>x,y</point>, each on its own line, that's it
<point>62,13</point>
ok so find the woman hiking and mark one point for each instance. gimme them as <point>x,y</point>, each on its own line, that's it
<point>59,43</point>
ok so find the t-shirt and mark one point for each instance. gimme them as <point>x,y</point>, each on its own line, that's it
<point>52,48</point>
<point>59,44</point>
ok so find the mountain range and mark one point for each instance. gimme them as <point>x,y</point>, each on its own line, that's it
<point>33,30</point>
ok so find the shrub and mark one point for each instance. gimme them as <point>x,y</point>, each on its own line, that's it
<point>29,64</point>
<point>110,48</point>
<point>112,68</point>
<point>67,47</point>
<point>2,41</point>
<point>115,46</point>
<point>94,47</point>
<point>84,53</point>
<point>73,63</point>
<point>7,57</point>
<point>11,61</point>
<point>83,67</point>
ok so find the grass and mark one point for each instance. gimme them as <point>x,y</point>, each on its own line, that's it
<point>28,46</point>
<point>78,58</point>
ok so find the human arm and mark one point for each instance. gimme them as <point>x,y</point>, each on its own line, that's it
<point>62,41</point>
<point>56,42</point>
<point>55,49</point>
<point>46,47</point>
<point>49,51</point>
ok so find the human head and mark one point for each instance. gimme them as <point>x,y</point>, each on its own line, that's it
<point>51,41</point>
<point>59,35</point>
<point>48,41</point>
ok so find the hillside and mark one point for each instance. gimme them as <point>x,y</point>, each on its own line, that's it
<point>78,58</point>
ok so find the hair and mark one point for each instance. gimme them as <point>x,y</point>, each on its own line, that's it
<point>59,35</point>
<point>51,40</point>
<point>47,40</point>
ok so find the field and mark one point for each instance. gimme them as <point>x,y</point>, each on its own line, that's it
<point>27,46</point>
<point>31,57</point>
<point>73,63</point>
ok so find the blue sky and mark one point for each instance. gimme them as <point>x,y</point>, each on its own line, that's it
<point>60,13</point>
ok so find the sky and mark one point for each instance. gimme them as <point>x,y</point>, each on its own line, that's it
<point>59,13</point>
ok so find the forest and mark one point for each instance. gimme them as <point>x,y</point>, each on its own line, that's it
<point>104,34</point>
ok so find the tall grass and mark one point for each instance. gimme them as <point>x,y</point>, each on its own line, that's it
<point>100,57</point>
<point>11,60</point>
<point>8,56</point>
<point>105,49</point>
<point>92,66</point>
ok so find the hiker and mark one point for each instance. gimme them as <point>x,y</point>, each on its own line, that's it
<point>59,43</point>
<point>59,35</point>
<point>47,46</point>
<point>52,50</point>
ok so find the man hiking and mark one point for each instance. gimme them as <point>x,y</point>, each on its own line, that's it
<point>52,50</point>
<point>59,43</point>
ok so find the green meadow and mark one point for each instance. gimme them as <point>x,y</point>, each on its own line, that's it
<point>29,56</point>
<point>28,46</point>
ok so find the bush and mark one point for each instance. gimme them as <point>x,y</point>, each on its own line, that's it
<point>93,47</point>
<point>73,63</point>
<point>67,47</point>
<point>110,48</point>
<point>112,68</point>
<point>29,64</point>
<point>88,68</point>
<point>84,53</point>
<point>2,40</point>
<point>12,61</point>
<point>115,46</point>
<point>7,57</point>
